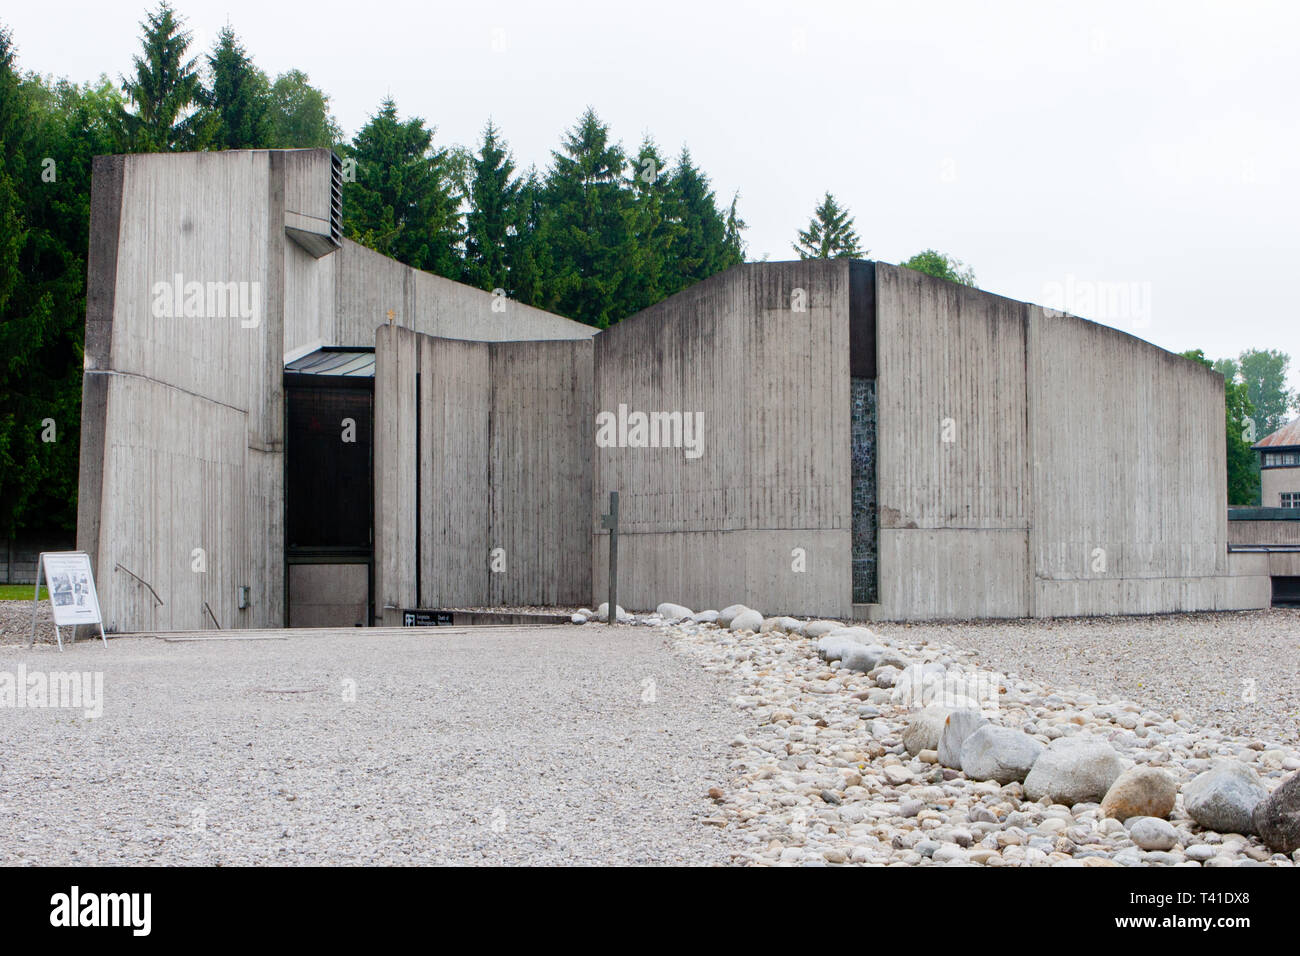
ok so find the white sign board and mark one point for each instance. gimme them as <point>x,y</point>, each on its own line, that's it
<point>71,584</point>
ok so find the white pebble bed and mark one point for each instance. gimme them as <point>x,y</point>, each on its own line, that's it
<point>821,774</point>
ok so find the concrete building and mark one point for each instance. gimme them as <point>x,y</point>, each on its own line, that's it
<point>215,279</point>
<point>1279,467</point>
<point>1271,532</point>
<point>283,427</point>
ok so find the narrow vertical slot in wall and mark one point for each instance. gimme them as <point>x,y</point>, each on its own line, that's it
<point>865,530</point>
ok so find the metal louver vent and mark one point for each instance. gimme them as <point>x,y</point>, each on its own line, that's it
<point>336,199</point>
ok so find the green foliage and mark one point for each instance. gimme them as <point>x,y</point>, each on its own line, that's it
<point>300,115</point>
<point>496,215</point>
<point>934,263</point>
<point>588,223</point>
<point>404,201</point>
<point>163,89</point>
<point>236,107</point>
<point>1264,372</point>
<point>49,133</point>
<point>830,234</point>
<point>1243,465</point>
<point>703,245</point>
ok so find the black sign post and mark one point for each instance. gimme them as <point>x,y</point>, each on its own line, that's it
<point>610,522</point>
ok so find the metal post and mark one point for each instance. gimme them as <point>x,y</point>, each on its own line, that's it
<point>610,521</point>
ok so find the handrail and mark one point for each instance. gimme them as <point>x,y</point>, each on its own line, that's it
<point>211,615</point>
<point>119,567</point>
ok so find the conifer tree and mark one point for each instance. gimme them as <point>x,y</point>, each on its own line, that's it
<point>236,111</point>
<point>657,231</point>
<point>495,214</point>
<point>588,224</point>
<point>163,89</point>
<point>830,234</point>
<point>403,203</point>
<point>701,248</point>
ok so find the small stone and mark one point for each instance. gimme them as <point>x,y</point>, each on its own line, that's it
<point>898,775</point>
<point>673,612</point>
<point>961,723</point>
<point>1152,833</point>
<point>910,807</point>
<point>923,730</point>
<point>1224,798</point>
<point>859,657</point>
<point>1277,817</point>
<point>999,753</point>
<point>1140,792</point>
<point>949,853</point>
<point>1074,770</point>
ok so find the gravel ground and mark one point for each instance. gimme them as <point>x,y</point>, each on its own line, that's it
<point>503,746</point>
<point>1203,664</point>
<point>16,624</point>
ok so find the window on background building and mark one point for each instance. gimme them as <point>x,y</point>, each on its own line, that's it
<point>1291,499</point>
<point>1277,459</point>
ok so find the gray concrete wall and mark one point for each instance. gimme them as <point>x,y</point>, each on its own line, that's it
<point>1035,464</point>
<point>1274,481</point>
<point>328,595</point>
<point>772,385</point>
<point>504,463</point>
<point>183,417</point>
<point>1274,533</point>
<point>369,286</point>
<point>1129,480</point>
<point>952,472</point>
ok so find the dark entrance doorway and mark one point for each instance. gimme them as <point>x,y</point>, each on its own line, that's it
<point>329,488</point>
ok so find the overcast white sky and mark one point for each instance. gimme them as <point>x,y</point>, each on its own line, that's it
<point>1076,150</point>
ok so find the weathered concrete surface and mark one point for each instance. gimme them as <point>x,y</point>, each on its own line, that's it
<point>761,352</point>
<point>1033,464</point>
<point>181,457</point>
<point>1274,481</point>
<point>504,463</point>
<point>182,472</point>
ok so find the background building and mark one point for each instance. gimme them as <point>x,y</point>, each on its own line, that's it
<point>1279,464</point>
<point>280,426</point>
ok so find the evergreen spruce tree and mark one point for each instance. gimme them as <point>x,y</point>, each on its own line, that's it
<point>236,111</point>
<point>403,203</point>
<point>734,241</point>
<point>163,89</point>
<point>495,214</point>
<point>588,224</point>
<point>657,230</point>
<point>701,246</point>
<point>528,258</point>
<point>830,234</point>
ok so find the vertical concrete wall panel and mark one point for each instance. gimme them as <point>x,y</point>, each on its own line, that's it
<point>951,453</point>
<point>761,352</point>
<point>454,518</point>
